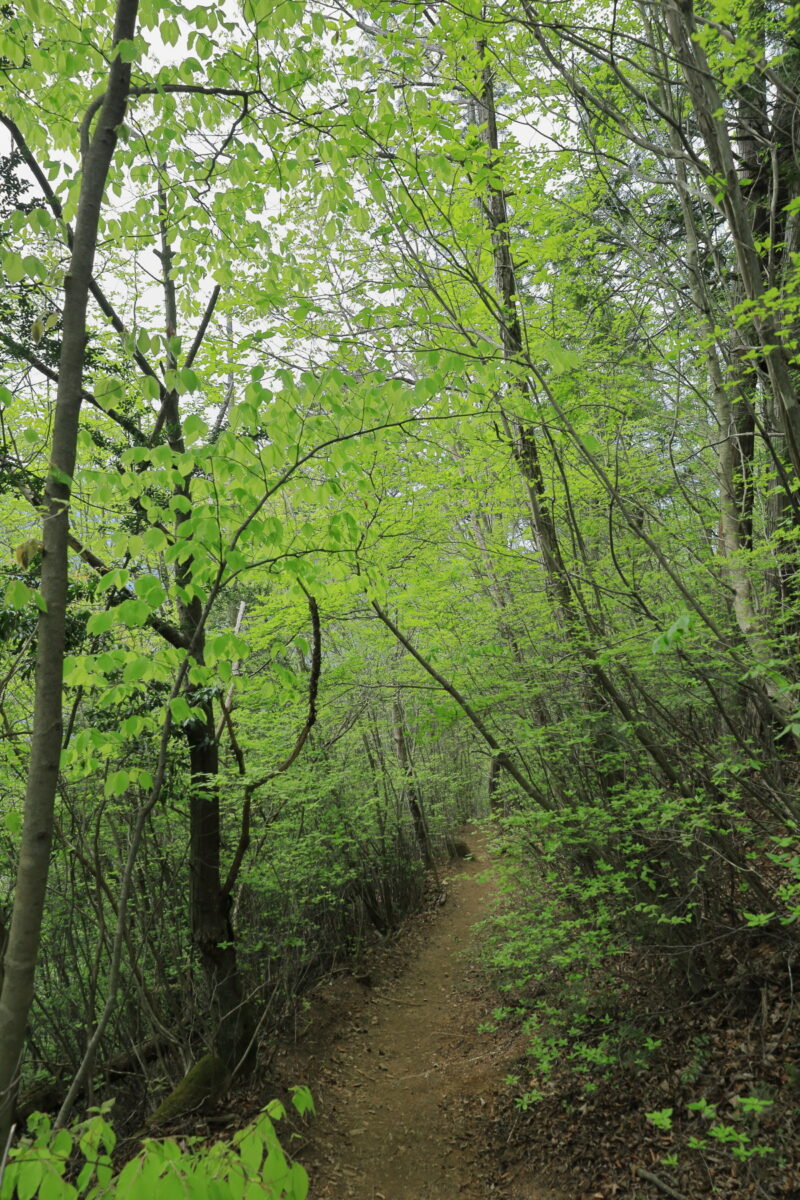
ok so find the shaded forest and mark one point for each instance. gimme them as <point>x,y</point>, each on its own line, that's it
<point>400,426</point>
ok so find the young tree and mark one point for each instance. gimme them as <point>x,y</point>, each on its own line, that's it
<point>99,138</point>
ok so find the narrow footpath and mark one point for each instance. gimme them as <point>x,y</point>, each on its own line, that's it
<point>403,1080</point>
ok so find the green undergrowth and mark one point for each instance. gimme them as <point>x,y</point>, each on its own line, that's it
<point>603,945</point>
<point>78,1163</point>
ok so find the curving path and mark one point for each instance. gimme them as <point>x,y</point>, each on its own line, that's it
<point>403,1080</point>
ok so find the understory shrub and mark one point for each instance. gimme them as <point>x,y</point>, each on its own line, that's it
<point>66,1164</point>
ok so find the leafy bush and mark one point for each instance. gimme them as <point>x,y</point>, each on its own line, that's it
<point>66,1164</point>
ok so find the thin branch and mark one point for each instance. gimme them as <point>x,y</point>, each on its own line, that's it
<point>102,301</point>
<point>203,326</point>
<point>503,758</point>
<point>302,737</point>
<point>159,89</point>
<point>190,357</point>
<point>659,1183</point>
<point>50,373</point>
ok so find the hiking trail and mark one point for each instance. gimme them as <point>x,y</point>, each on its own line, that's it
<point>403,1081</point>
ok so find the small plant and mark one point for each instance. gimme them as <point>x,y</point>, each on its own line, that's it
<point>43,1165</point>
<point>661,1118</point>
<point>528,1099</point>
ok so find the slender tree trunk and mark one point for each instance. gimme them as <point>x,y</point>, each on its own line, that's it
<point>708,104</point>
<point>734,394</point>
<point>412,791</point>
<point>209,903</point>
<point>503,757</point>
<point>26,921</point>
<point>209,906</point>
<point>598,690</point>
<point>493,785</point>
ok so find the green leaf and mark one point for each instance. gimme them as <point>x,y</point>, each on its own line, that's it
<point>170,32</point>
<point>180,709</point>
<point>126,49</point>
<point>34,267</point>
<point>101,622</point>
<point>18,594</point>
<point>298,1181</point>
<point>151,590</point>
<point>172,1185</point>
<point>118,577</point>
<point>136,670</point>
<point>117,783</point>
<point>154,539</point>
<point>133,613</point>
<point>194,427</point>
<point>591,443</point>
<point>251,1151</point>
<point>559,357</point>
<point>108,390</point>
<point>12,822</point>
<point>151,389</point>
<point>54,1187</point>
<point>128,1178</point>
<point>61,1144</point>
<point>29,1175</point>
<point>661,1118</point>
<point>302,1100</point>
<point>13,266</point>
<point>188,380</point>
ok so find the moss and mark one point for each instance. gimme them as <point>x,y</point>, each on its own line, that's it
<point>200,1090</point>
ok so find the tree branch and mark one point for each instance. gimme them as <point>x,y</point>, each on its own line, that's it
<point>503,758</point>
<point>190,357</point>
<point>659,1183</point>
<point>203,326</point>
<point>50,373</point>
<point>302,737</point>
<point>158,89</point>
<point>102,301</point>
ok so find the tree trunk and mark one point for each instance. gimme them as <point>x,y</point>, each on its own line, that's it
<point>209,905</point>
<point>231,1024</point>
<point>412,792</point>
<point>26,920</point>
<point>598,691</point>
<point>707,104</point>
<point>493,786</point>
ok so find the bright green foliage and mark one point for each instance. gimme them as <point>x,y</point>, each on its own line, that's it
<point>574,493</point>
<point>69,1163</point>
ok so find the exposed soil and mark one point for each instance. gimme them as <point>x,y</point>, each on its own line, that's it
<point>405,1085</point>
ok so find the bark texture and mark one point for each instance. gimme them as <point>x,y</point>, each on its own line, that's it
<point>32,871</point>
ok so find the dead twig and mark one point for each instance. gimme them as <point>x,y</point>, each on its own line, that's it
<point>659,1183</point>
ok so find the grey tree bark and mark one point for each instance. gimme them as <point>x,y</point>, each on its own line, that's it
<point>31,883</point>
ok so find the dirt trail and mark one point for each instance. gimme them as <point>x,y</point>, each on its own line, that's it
<point>402,1078</point>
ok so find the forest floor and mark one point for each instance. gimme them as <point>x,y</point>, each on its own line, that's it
<point>414,1102</point>
<point>406,1087</point>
